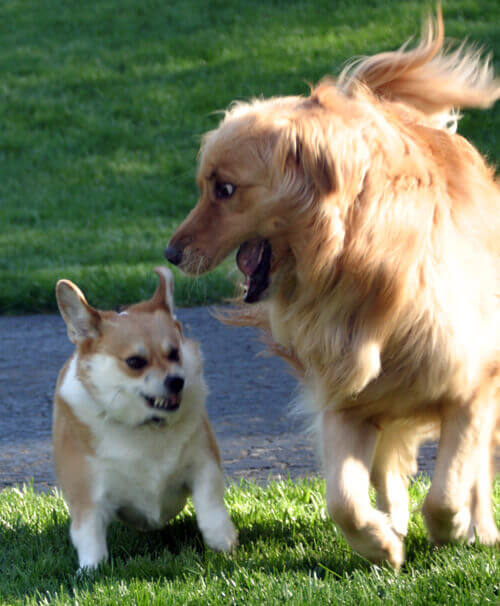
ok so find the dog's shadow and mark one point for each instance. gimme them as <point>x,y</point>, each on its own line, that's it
<point>40,559</point>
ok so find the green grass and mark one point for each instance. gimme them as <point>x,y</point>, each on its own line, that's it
<point>102,105</point>
<point>289,552</point>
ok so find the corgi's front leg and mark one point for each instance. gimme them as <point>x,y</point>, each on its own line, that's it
<point>214,522</point>
<point>88,533</point>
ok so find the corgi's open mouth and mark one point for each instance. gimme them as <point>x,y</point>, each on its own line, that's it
<point>254,261</point>
<point>167,404</point>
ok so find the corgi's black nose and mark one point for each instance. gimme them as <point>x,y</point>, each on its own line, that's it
<point>174,383</point>
<point>173,254</point>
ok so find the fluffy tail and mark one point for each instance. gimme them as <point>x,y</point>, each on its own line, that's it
<point>426,78</point>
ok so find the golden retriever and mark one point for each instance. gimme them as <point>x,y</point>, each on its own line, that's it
<point>369,233</point>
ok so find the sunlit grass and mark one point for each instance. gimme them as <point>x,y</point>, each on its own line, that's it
<point>289,552</point>
<point>102,106</point>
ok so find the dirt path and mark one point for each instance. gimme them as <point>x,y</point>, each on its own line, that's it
<point>249,403</point>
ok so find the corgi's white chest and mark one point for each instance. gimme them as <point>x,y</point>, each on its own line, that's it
<point>143,491</point>
<point>140,473</point>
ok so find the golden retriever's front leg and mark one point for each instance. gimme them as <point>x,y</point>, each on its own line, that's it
<point>395,461</point>
<point>348,448</point>
<point>458,505</point>
<point>482,524</point>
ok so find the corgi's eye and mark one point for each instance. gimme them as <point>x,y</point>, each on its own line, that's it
<point>173,355</point>
<point>136,362</point>
<point>223,191</point>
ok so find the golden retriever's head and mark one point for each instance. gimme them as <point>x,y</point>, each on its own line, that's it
<point>260,172</point>
<point>282,179</point>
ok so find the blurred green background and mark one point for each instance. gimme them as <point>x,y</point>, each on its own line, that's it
<point>103,103</point>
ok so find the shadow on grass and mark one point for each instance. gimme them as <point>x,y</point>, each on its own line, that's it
<point>38,559</point>
<point>102,122</point>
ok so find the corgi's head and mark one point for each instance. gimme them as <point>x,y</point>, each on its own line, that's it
<point>136,364</point>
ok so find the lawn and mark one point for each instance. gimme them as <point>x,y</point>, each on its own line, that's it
<point>289,552</point>
<point>103,103</point>
<point>102,106</point>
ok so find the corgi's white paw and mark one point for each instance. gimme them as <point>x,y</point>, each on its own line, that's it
<point>89,562</point>
<point>89,538</point>
<point>88,568</point>
<point>220,534</point>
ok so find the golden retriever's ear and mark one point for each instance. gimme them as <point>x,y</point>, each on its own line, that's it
<point>303,148</point>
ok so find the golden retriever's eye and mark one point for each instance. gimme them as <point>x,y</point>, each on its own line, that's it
<point>173,355</point>
<point>223,191</point>
<point>136,362</point>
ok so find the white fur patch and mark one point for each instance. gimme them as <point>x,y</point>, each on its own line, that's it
<point>213,519</point>
<point>89,538</point>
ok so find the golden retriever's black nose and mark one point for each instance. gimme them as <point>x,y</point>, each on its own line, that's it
<point>174,384</point>
<point>174,255</point>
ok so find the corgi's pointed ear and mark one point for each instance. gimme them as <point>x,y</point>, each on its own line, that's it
<point>81,320</point>
<point>164,294</point>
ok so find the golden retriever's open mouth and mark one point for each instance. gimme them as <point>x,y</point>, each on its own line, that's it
<point>254,261</point>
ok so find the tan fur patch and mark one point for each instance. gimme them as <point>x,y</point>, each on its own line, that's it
<point>72,444</point>
<point>214,448</point>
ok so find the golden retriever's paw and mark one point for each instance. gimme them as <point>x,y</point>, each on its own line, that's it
<point>379,544</point>
<point>445,524</point>
<point>399,521</point>
<point>486,534</point>
<point>392,552</point>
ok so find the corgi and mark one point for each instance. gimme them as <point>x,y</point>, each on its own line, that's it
<point>131,436</point>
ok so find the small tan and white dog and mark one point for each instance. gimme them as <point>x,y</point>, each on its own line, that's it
<point>131,436</point>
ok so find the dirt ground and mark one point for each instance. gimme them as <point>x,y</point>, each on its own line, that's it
<point>249,403</point>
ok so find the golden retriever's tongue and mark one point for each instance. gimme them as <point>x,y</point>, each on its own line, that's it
<point>254,260</point>
<point>249,256</point>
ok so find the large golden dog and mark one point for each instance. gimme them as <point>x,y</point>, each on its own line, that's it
<point>370,234</point>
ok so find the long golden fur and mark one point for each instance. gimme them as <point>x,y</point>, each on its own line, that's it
<point>384,277</point>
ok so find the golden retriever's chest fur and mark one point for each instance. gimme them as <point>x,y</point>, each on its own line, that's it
<point>397,364</point>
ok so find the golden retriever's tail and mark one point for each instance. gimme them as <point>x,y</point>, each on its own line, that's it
<point>425,77</point>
